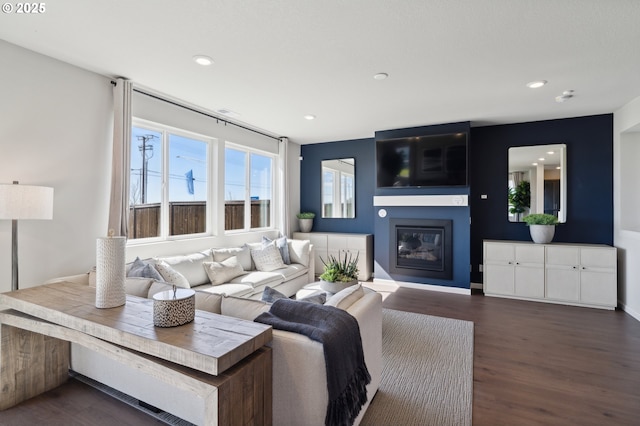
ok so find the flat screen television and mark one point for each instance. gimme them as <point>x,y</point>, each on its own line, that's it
<point>422,161</point>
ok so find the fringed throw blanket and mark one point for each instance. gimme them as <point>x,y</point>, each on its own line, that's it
<point>338,331</point>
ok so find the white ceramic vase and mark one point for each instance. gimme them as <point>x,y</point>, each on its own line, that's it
<point>305,225</point>
<point>542,234</point>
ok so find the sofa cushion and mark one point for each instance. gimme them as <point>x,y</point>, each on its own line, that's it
<point>222,272</point>
<point>347,297</point>
<point>267,258</point>
<point>157,287</point>
<point>209,302</point>
<point>137,286</point>
<point>247,309</point>
<point>190,266</point>
<point>292,271</point>
<point>238,290</point>
<point>258,279</point>
<point>299,251</point>
<point>144,269</point>
<point>242,253</point>
<point>172,276</point>
<point>282,245</point>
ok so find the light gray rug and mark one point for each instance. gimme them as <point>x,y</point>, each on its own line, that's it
<point>427,373</point>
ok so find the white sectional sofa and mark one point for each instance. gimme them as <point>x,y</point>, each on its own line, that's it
<point>300,394</point>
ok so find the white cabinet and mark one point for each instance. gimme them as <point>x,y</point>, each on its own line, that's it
<point>574,274</point>
<point>336,244</point>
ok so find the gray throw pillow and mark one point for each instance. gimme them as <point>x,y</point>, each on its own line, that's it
<point>283,247</point>
<point>270,295</point>
<point>142,269</point>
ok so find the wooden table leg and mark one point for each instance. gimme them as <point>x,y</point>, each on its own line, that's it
<point>30,364</point>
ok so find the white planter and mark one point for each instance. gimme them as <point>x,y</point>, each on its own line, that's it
<point>334,287</point>
<point>542,234</point>
<point>305,225</point>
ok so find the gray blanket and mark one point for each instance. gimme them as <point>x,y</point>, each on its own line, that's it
<point>338,331</point>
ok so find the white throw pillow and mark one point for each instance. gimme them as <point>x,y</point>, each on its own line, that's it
<point>267,258</point>
<point>347,297</point>
<point>171,276</point>
<point>190,266</point>
<point>242,253</point>
<point>222,272</point>
<point>299,251</point>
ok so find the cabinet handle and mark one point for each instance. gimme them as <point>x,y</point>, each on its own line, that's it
<point>574,267</point>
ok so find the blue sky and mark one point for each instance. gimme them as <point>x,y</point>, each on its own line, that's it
<point>187,154</point>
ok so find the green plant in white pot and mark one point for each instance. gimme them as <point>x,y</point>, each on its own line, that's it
<point>542,227</point>
<point>339,273</point>
<point>305,220</point>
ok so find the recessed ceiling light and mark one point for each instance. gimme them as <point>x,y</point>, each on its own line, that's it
<point>534,164</point>
<point>203,60</point>
<point>381,76</point>
<point>550,152</point>
<point>310,117</point>
<point>566,95</point>
<point>536,84</point>
<point>541,159</point>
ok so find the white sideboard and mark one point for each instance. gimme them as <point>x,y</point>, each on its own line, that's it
<point>336,244</point>
<point>571,274</point>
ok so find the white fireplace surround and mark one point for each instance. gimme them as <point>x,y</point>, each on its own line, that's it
<point>455,200</point>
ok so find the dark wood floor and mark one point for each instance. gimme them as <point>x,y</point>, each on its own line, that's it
<point>534,364</point>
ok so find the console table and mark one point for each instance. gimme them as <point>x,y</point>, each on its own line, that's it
<point>570,274</point>
<point>216,358</point>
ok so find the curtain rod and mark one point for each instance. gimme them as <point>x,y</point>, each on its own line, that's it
<point>218,119</point>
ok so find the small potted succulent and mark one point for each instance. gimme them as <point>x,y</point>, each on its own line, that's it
<point>339,273</point>
<point>305,220</point>
<point>542,227</point>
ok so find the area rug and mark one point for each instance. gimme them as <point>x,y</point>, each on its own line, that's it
<point>427,372</point>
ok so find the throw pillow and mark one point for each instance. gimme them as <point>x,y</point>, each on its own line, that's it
<point>222,272</point>
<point>299,251</point>
<point>267,258</point>
<point>281,244</point>
<point>347,297</point>
<point>138,286</point>
<point>142,269</point>
<point>242,253</point>
<point>246,309</point>
<point>270,295</point>
<point>171,276</point>
<point>190,266</point>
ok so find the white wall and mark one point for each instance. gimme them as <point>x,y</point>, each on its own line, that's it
<point>626,236</point>
<point>55,131</point>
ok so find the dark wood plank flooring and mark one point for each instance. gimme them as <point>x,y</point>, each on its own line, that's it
<point>534,364</point>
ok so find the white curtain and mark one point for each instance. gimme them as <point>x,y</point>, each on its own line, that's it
<point>119,203</point>
<point>283,179</point>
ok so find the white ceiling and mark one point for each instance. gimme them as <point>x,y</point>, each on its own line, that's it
<point>277,60</point>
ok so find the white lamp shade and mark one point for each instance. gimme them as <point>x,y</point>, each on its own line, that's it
<point>26,202</point>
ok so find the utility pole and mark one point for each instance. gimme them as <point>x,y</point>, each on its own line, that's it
<point>143,147</point>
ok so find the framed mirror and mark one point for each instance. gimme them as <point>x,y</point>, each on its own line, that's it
<point>537,181</point>
<point>339,188</point>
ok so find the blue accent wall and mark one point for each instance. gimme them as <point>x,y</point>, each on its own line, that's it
<point>589,143</point>
<point>363,151</point>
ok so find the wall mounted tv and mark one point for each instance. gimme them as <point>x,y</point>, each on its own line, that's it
<point>422,161</point>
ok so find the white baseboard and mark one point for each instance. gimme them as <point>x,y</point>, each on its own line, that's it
<point>633,313</point>
<point>428,287</point>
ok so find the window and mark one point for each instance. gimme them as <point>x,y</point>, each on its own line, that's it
<point>248,189</point>
<point>168,183</point>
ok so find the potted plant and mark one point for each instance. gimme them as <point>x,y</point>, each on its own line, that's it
<point>305,220</point>
<point>542,227</point>
<point>339,273</point>
<point>519,198</point>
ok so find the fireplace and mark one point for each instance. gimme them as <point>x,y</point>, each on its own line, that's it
<point>421,247</point>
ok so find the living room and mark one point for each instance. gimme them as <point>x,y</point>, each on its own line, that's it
<point>57,127</point>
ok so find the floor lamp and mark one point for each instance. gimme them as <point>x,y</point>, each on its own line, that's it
<point>20,202</point>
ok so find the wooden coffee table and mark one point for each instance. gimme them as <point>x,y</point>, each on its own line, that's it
<point>212,356</point>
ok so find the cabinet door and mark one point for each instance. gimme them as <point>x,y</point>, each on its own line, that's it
<point>562,273</point>
<point>529,271</point>
<point>499,263</point>
<point>598,279</point>
<point>499,279</point>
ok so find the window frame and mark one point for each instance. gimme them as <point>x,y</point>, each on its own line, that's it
<point>247,201</point>
<point>164,225</point>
